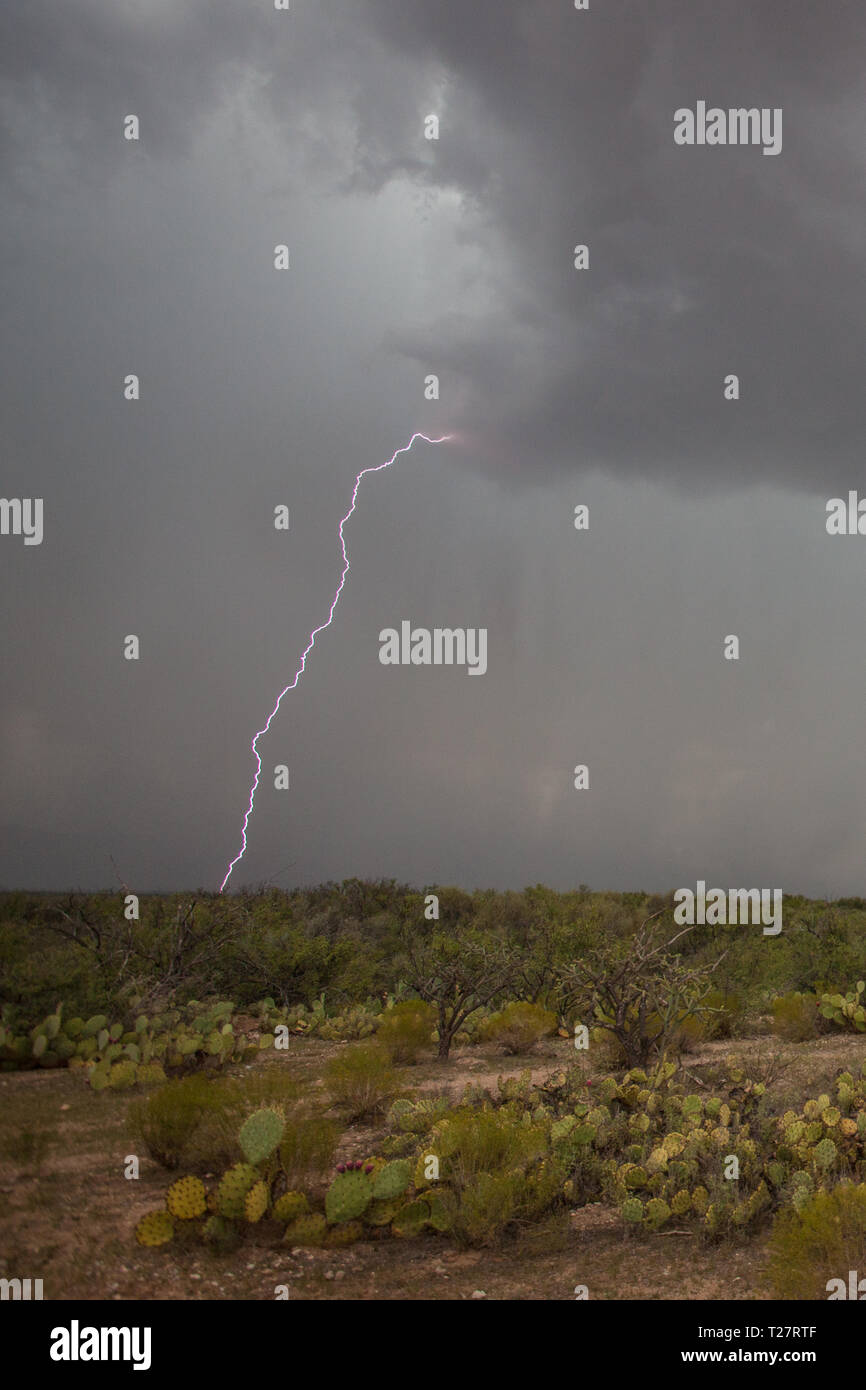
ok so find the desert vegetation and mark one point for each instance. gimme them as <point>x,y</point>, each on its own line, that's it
<point>536,1084</point>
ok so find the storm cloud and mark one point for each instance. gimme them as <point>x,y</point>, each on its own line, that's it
<point>603,387</point>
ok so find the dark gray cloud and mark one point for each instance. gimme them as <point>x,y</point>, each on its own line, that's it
<point>703,262</point>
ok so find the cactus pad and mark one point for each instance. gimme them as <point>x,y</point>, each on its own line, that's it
<point>307,1230</point>
<point>256,1202</point>
<point>233,1188</point>
<point>346,1234</point>
<point>411,1219</point>
<point>156,1228</point>
<point>290,1207</point>
<point>261,1134</point>
<point>392,1180</point>
<point>348,1197</point>
<point>186,1198</point>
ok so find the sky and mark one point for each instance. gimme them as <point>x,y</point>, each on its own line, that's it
<point>601,387</point>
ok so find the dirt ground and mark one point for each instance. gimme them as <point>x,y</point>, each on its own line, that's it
<point>67,1213</point>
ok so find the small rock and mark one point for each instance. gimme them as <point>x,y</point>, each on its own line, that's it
<point>341,1274</point>
<point>478,1293</point>
<point>65,1107</point>
<point>329,1274</point>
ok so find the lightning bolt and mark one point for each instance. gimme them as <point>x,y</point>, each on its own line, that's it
<point>312,642</point>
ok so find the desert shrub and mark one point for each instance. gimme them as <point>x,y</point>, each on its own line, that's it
<point>714,1019</point>
<point>821,1241</point>
<point>519,1026</point>
<point>796,1017</point>
<point>499,1170</point>
<point>639,990</point>
<point>267,1085</point>
<point>184,1123</point>
<point>487,1205</point>
<point>686,1035</point>
<point>308,1146</point>
<point>459,972</point>
<point>194,1123</point>
<point>723,1012</point>
<point>362,1081</point>
<point>472,1142</point>
<point>407,1029</point>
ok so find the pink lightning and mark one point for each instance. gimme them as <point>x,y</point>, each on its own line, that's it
<point>313,635</point>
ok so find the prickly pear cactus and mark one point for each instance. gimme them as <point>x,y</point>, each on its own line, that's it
<point>348,1197</point>
<point>307,1230</point>
<point>846,1010</point>
<point>345,1234</point>
<point>261,1134</point>
<point>256,1202</point>
<point>411,1219</point>
<point>232,1191</point>
<point>186,1198</point>
<point>392,1180</point>
<point>122,1075</point>
<point>290,1207</point>
<point>382,1213</point>
<point>632,1210</point>
<point>155,1228</point>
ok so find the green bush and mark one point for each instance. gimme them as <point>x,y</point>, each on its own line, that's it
<point>519,1026</point>
<point>407,1029</point>
<point>472,1142</point>
<point>796,1017</point>
<point>308,1146</point>
<point>185,1122</point>
<point>194,1122</point>
<point>822,1241</point>
<point>725,1011</point>
<point>362,1081</point>
<point>499,1170</point>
